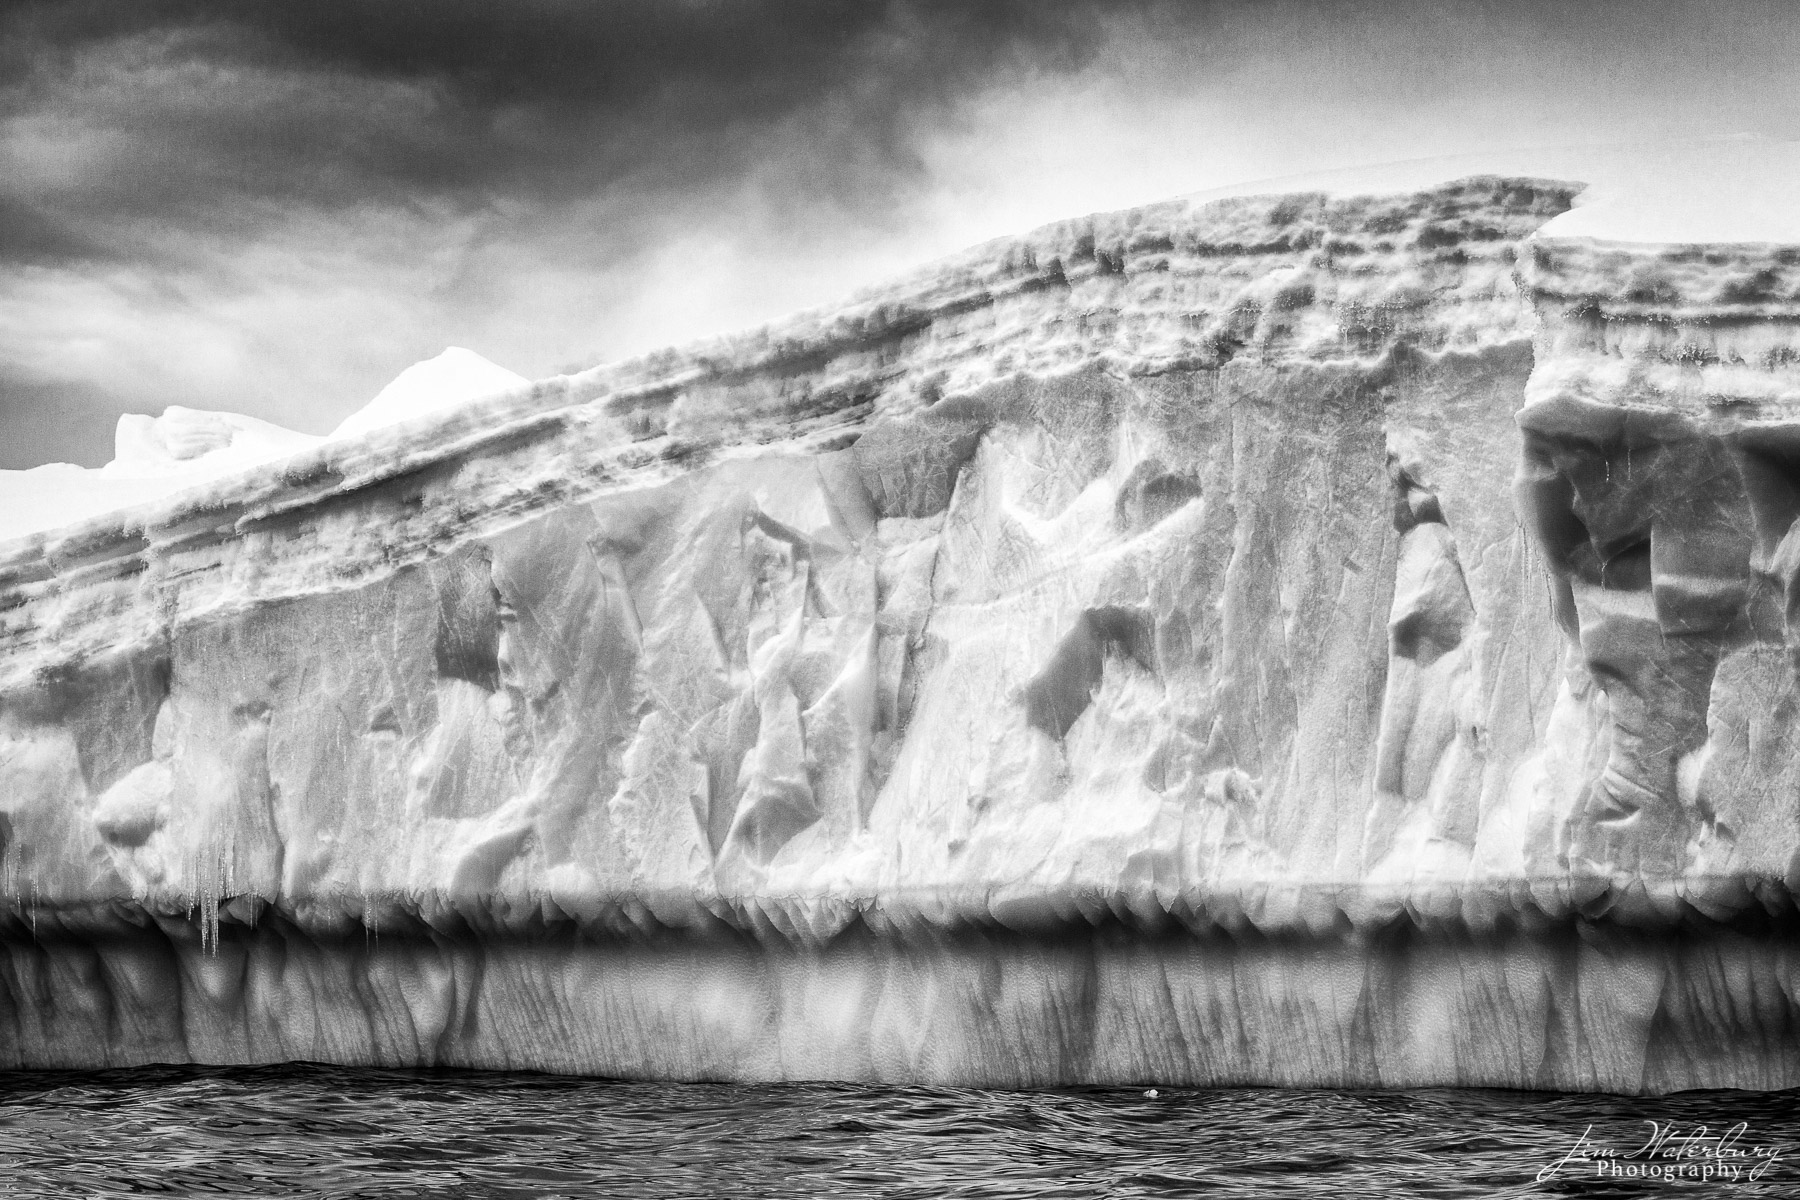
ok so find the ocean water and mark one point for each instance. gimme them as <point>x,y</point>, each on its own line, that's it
<point>318,1131</point>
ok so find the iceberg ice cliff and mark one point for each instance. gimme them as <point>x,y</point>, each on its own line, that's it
<point>1293,639</point>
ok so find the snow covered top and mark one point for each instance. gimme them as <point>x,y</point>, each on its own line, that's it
<point>152,457</point>
<point>1721,190</point>
<point>1740,188</point>
<point>155,457</point>
<point>59,494</point>
<point>454,377</point>
<point>194,442</point>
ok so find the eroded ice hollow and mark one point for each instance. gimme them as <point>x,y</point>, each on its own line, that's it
<point>1292,639</point>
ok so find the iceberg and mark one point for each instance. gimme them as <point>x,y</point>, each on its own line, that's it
<point>452,378</point>
<point>153,458</point>
<point>1305,639</point>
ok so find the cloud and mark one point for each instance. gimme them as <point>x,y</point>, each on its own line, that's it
<point>378,179</point>
<point>161,109</point>
<point>275,206</point>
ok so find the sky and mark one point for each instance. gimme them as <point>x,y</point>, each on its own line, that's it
<point>272,207</point>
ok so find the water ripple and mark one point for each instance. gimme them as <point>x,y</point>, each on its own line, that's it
<point>317,1131</point>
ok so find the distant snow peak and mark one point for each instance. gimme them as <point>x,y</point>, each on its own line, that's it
<point>156,457</point>
<point>153,457</point>
<point>190,441</point>
<point>454,377</point>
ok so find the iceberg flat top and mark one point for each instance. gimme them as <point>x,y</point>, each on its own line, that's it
<point>1719,190</point>
<point>1738,189</point>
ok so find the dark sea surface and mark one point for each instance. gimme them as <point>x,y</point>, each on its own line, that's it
<point>305,1130</point>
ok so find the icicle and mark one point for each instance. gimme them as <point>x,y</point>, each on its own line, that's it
<point>213,882</point>
<point>209,922</point>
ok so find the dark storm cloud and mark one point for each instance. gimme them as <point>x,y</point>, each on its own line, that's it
<point>48,420</point>
<point>273,206</point>
<point>29,235</point>
<point>127,124</point>
<point>177,113</point>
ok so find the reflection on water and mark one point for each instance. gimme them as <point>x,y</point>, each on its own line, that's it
<point>308,1130</point>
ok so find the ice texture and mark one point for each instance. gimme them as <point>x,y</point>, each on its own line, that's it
<point>1289,639</point>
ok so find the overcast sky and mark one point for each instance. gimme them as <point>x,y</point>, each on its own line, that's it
<point>274,206</point>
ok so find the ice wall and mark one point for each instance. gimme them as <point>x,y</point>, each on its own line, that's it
<point>1149,648</point>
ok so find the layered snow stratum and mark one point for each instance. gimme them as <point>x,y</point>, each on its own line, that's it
<point>1304,639</point>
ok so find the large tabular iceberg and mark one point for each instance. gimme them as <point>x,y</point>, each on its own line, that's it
<point>1286,639</point>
